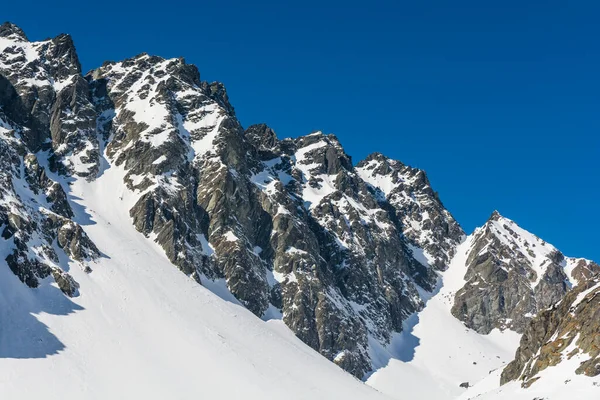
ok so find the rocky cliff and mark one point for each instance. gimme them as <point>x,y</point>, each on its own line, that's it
<point>46,119</point>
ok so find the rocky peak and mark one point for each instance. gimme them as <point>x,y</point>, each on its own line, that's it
<point>264,139</point>
<point>261,136</point>
<point>378,163</point>
<point>11,31</point>
<point>48,63</point>
<point>580,270</point>
<point>219,94</point>
<point>165,112</point>
<point>324,153</point>
<point>495,216</point>
<point>503,233</point>
<point>426,223</point>
<point>511,275</point>
<point>51,99</point>
<point>157,67</point>
<point>63,50</point>
<point>339,233</point>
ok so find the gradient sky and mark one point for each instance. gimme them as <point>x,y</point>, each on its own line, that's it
<point>497,101</point>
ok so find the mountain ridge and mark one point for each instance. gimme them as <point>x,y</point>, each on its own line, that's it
<point>288,225</point>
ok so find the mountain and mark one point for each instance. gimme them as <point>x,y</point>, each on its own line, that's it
<point>289,227</point>
<point>436,352</point>
<point>500,317</point>
<point>566,330</point>
<point>144,234</point>
<point>40,112</point>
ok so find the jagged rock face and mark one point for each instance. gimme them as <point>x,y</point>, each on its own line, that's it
<point>511,276</point>
<point>425,222</point>
<point>185,156</point>
<point>45,93</point>
<point>328,227</point>
<point>290,226</point>
<point>35,224</point>
<point>569,329</point>
<point>580,269</point>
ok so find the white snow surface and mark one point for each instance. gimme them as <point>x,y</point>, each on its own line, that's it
<point>141,329</point>
<point>559,382</point>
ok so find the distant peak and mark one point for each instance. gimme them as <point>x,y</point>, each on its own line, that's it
<point>500,219</point>
<point>376,156</point>
<point>380,162</point>
<point>495,216</point>
<point>262,136</point>
<point>316,136</point>
<point>64,38</point>
<point>260,126</point>
<point>11,31</point>
<point>219,93</point>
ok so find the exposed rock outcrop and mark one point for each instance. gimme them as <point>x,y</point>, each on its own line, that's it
<point>570,329</point>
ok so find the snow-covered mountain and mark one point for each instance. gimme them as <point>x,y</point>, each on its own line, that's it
<point>511,276</point>
<point>467,341</point>
<point>151,233</point>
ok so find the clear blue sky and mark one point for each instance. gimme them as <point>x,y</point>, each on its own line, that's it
<point>497,101</point>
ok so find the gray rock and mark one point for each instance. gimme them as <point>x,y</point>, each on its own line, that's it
<point>407,195</point>
<point>571,324</point>
<point>502,288</point>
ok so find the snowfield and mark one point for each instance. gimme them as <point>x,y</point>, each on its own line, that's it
<point>141,329</point>
<point>555,383</point>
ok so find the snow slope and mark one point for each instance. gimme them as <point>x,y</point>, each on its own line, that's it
<point>445,353</point>
<point>556,383</point>
<point>143,330</point>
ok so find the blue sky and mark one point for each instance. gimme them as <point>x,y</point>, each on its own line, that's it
<point>497,101</point>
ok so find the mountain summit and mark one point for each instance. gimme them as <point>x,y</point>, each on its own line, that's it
<point>511,275</point>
